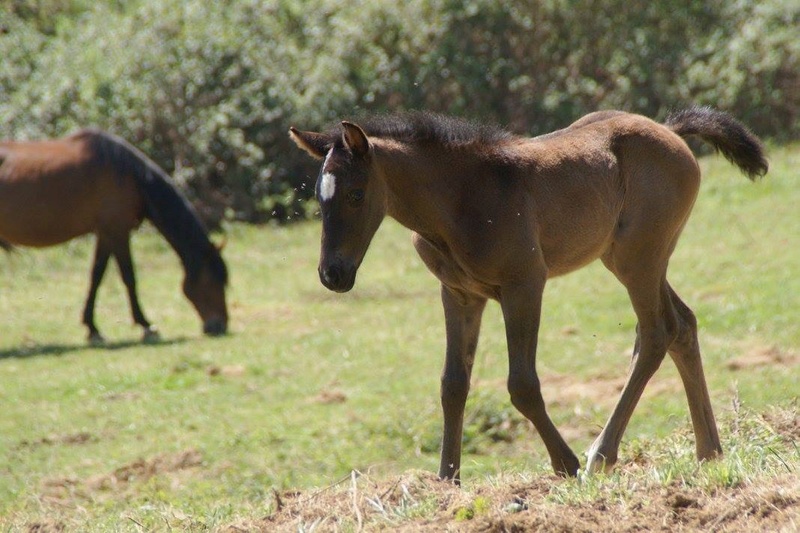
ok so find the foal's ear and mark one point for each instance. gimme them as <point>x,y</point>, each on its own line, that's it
<point>355,139</point>
<point>316,144</point>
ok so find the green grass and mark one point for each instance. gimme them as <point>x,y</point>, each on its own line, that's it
<point>311,385</point>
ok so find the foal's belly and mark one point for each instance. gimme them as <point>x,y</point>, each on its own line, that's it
<point>447,270</point>
<point>562,260</point>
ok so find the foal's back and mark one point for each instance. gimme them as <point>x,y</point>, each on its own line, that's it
<point>586,184</point>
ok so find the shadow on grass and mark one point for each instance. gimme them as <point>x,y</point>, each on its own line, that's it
<point>35,350</point>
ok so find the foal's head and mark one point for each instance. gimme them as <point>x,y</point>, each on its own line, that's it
<point>352,200</point>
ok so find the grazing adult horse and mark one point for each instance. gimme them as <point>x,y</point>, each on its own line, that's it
<point>496,215</point>
<point>94,182</point>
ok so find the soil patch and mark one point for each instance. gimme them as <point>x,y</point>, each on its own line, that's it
<point>419,501</point>
<point>65,489</point>
<point>69,439</point>
<point>764,356</point>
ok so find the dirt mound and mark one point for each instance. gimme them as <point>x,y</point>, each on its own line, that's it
<point>419,501</point>
<point>634,501</point>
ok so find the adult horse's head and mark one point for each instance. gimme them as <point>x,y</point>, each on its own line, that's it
<point>352,199</point>
<point>204,286</point>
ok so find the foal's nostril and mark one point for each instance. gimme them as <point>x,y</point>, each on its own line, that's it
<point>337,277</point>
<point>331,276</point>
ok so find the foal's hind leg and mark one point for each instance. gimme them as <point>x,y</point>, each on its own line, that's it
<point>122,252</point>
<point>685,351</point>
<point>653,307</point>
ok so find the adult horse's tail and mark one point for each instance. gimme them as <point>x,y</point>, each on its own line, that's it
<point>726,134</point>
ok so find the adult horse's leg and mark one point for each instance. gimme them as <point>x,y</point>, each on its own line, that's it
<point>521,305</point>
<point>122,252</point>
<point>685,352</point>
<point>101,255</point>
<point>463,322</point>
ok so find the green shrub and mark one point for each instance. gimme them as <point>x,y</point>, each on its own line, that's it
<point>209,89</point>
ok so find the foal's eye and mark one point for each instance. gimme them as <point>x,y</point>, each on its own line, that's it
<point>355,197</point>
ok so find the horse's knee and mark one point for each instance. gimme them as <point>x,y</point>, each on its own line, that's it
<point>525,392</point>
<point>685,326</point>
<point>685,342</point>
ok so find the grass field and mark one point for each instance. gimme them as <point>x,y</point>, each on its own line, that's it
<point>198,433</point>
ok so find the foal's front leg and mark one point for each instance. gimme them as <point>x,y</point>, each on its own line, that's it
<point>521,304</point>
<point>463,322</point>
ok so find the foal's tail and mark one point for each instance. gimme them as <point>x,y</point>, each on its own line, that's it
<point>7,246</point>
<point>726,134</point>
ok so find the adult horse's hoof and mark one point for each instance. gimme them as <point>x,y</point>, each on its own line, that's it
<point>151,334</point>
<point>95,339</point>
<point>215,327</point>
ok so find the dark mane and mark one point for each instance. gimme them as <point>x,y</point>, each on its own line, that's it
<point>168,210</point>
<point>420,127</point>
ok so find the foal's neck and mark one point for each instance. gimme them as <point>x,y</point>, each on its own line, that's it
<point>419,187</point>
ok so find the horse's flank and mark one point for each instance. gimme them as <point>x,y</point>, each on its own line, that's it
<point>47,197</point>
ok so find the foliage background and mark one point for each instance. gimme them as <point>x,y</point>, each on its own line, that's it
<point>209,89</point>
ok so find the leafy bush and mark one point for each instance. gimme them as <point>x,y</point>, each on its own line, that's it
<point>209,89</point>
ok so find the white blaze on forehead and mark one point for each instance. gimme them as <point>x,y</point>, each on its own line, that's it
<point>327,185</point>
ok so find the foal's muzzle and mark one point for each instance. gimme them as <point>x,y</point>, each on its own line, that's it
<point>337,277</point>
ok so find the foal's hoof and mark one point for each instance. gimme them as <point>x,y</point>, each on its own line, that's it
<point>568,468</point>
<point>95,339</point>
<point>151,334</point>
<point>597,463</point>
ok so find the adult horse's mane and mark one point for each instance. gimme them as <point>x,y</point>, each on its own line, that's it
<point>168,210</point>
<point>425,128</point>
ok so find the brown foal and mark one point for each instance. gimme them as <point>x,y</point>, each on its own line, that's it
<point>496,215</point>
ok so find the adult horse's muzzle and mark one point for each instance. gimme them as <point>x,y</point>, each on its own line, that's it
<point>337,277</point>
<point>215,326</point>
